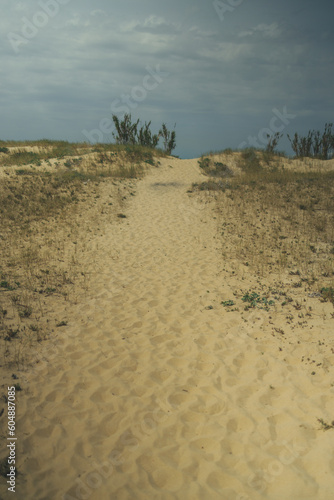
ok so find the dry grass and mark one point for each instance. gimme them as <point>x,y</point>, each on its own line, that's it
<point>276,216</point>
<point>50,208</point>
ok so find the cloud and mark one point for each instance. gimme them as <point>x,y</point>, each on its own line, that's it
<point>263,30</point>
<point>77,21</point>
<point>65,78</point>
<point>225,52</point>
<point>156,25</point>
<point>98,12</point>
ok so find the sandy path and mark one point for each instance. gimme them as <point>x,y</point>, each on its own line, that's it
<point>151,394</point>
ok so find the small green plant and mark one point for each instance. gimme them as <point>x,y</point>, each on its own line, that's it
<point>204,163</point>
<point>327,294</point>
<point>6,286</point>
<point>214,169</point>
<point>11,334</point>
<point>25,312</point>
<point>61,323</point>
<point>255,300</point>
<point>228,303</point>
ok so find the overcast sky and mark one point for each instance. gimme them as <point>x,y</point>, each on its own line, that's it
<point>226,72</point>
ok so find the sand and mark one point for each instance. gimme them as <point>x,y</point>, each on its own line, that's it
<point>154,390</point>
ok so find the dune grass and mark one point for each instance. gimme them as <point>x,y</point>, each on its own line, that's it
<point>276,218</point>
<point>36,152</point>
<point>50,202</point>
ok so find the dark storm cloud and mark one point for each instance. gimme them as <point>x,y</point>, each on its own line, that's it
<point>224,75</point>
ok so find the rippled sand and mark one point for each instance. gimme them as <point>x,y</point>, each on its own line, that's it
<point>153,391</point>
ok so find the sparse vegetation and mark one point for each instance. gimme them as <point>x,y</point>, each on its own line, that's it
<point>214,169</point>
<point>250,161</point>
<point>45,187</point>
<point>61,323</point>
<point>273,142</point>
<point>327,294</point>
<point>128,133</point>
<point>253,300</point>
<point>325,426</point>
<point>169,139</point>
<point>277,215</point>
<point>277,218</point>
<point>228,303</point>
<point>314,144</point>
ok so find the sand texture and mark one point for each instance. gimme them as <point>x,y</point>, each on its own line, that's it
<point>154,391</point>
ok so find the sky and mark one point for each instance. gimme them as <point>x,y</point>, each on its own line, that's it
<point>224,73</point>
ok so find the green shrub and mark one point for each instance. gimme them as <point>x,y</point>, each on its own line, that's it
<point>314,144</point>
<point>214,169</point>
<point>128,133</point>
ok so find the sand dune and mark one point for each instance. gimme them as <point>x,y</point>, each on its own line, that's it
<point>154,391</point>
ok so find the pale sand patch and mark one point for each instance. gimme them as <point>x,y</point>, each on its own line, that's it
<point>155,391</point>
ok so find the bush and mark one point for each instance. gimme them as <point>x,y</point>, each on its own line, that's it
<point>168,138</point>
<point>127,133</point>
<point>272,142</point>
<point>314,145</point>
<point>146,138</point>
<point>126,130</point>
<point>214,169</point>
